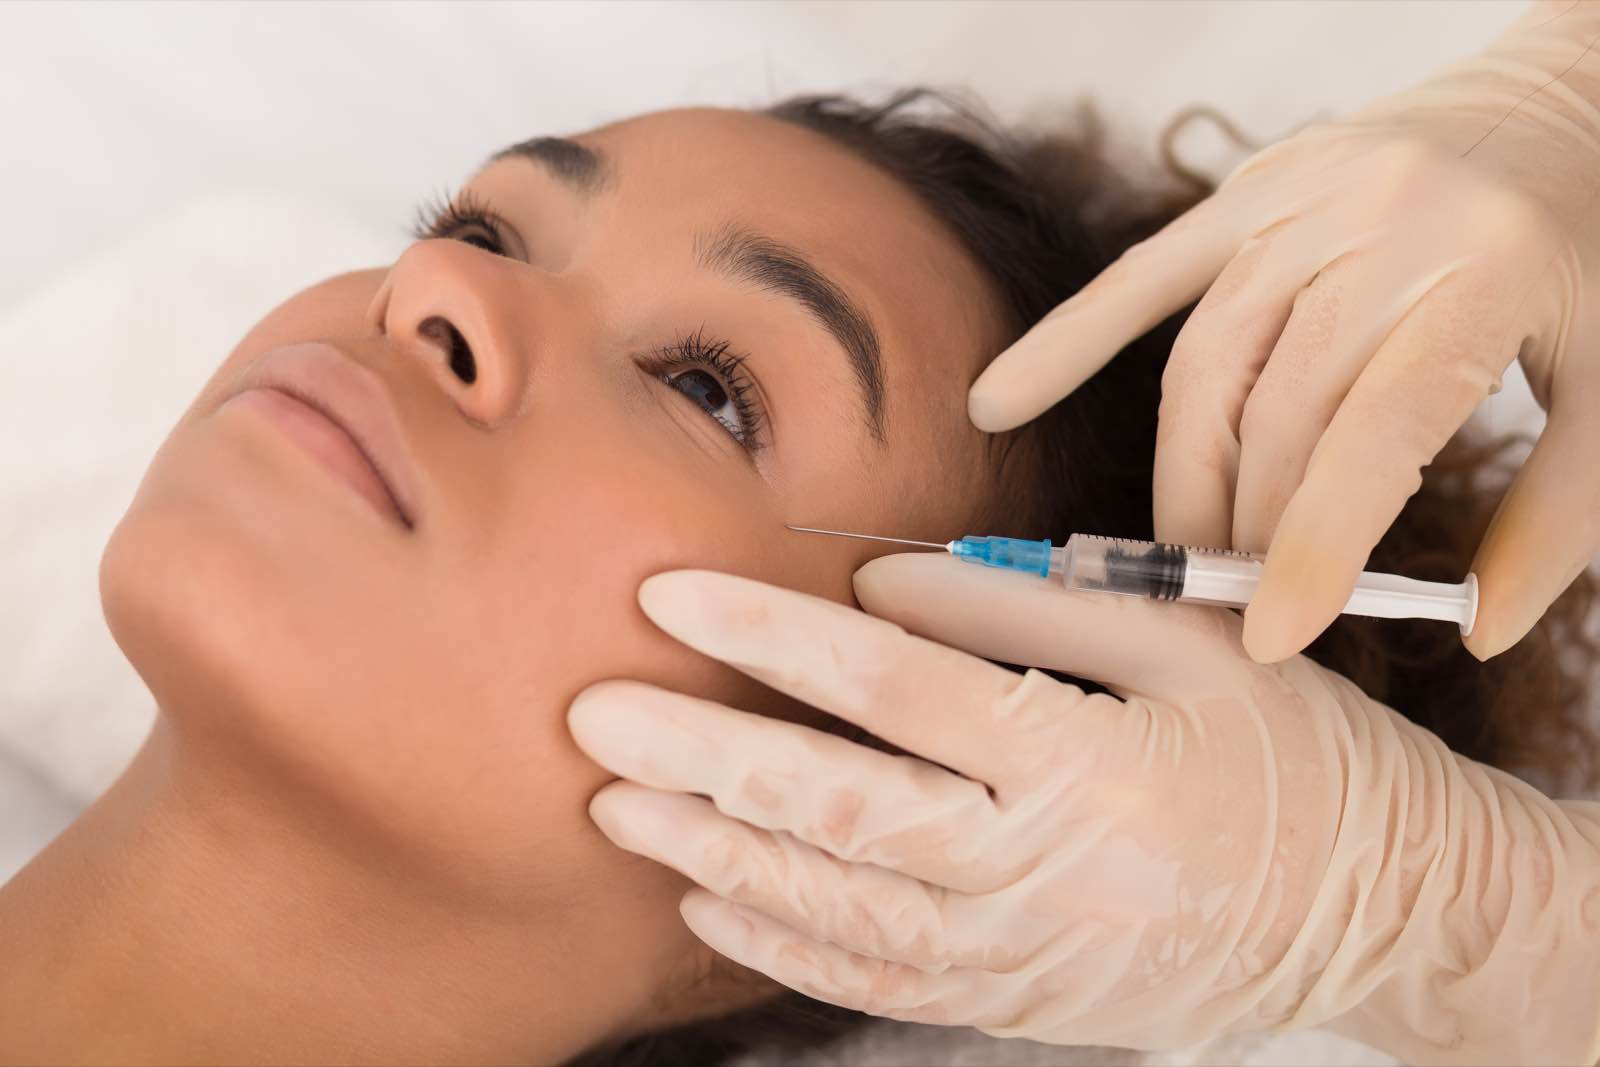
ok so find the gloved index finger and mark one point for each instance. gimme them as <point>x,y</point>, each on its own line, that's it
<point>1148,282</point>
<point>934,701</point>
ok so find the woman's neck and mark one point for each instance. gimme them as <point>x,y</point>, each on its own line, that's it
<point>179,920</point>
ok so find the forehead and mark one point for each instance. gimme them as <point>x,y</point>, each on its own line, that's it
<point>859,222</point>
<point>681,174</point>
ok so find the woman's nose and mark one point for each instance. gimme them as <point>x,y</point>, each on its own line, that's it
<point>453,305</point>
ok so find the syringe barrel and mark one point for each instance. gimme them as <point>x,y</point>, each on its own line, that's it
<point>1122,565</point>
<point>1158,571</point>
<point>1223,576</point>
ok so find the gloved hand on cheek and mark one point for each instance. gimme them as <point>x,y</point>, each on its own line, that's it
<point>1218,846</point>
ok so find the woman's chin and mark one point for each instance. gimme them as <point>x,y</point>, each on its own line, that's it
<point>315,671</point>
<point>231,590</point>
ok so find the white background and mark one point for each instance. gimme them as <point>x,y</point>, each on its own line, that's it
<point>114,113</point>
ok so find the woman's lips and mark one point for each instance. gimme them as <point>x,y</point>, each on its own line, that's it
<point>325,440</point>
<point>340,411</point>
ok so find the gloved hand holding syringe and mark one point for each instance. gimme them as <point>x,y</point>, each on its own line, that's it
<point>1194,574</point>
<point>1362,287</point>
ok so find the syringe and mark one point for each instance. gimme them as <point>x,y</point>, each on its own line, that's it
<point>1195,575</point>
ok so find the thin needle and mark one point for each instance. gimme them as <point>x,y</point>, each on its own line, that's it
<point>866,537</point>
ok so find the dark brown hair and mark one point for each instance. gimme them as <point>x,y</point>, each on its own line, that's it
<point>1043,214</point>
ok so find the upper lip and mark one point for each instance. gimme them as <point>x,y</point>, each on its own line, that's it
<point>351,396</point>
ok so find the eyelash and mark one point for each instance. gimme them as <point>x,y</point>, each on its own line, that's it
<point>442,216</point>
<point>447,218</point>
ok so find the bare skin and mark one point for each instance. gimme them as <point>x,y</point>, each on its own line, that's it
<point>358,830</point>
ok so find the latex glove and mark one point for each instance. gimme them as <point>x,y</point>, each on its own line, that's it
<point>1366,282</point>
<point>1220,846</point>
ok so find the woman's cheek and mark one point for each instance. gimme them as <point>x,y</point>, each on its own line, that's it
<point>546,624</point>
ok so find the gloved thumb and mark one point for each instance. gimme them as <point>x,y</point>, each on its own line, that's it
<point>1130,645</point>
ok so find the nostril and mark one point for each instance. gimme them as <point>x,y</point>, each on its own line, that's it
<point>442,333</point>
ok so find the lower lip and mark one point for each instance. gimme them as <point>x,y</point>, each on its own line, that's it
<point>325,440</point>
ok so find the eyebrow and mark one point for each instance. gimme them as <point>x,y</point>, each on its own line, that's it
<point>748,256</point>
<point>582,168</point>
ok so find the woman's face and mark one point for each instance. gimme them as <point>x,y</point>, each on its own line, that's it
<point>691,328</point>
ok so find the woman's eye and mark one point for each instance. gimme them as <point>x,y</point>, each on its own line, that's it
<point>479,240</point>
<point>702,369</point>
<point>705,390</point>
